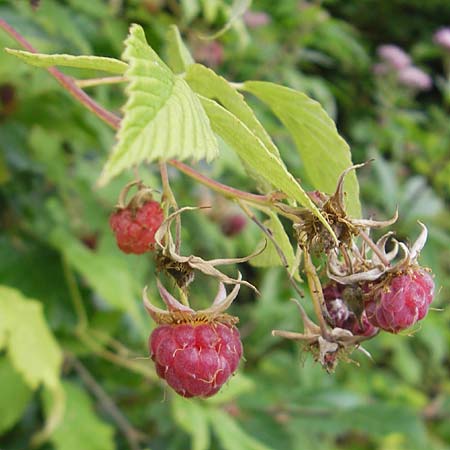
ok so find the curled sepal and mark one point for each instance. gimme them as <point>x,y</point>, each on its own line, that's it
<point>177,313</point>
<point>362,269</point>
<point>168,257</point>
<point>143,195</point>
<point>370,223</point>
<point>327,350</point>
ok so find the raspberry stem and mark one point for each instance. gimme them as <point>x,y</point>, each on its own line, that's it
<point>315,288</point>
<point>168,194</point>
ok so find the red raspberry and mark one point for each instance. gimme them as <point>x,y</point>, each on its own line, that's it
<point>135,228</point>
<point>402,302</point>
<point>196,360</point>
<point>233,224</point>
<point>342,316</point>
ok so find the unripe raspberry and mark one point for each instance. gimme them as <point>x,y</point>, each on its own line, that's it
<point>342,316</point>
<point>402,301</point>
<point>196,359</point>
<point>135,228</point>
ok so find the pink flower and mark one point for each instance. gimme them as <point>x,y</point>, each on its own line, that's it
<point>255,19</point>
<point>415,78</point>
<point>394,56</point>
<point>442,37</point>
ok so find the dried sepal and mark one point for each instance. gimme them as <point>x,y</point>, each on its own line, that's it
<point>373,267</point>
<point>143,195</point>
<point>329,349</point>
<point>170,260</point>
<point>178,313</point>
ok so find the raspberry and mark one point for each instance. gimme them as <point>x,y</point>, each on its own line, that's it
<point>400,303</point>
<point>135,228</point>
<point>233,224</point>
<point>342,316</point>
<point>196,359</point>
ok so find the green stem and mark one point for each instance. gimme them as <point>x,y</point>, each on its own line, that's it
<point>91,82</point>
<point>75,296</point>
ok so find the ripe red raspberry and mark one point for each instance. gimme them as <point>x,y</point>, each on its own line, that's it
<point>135,228</point>
<point>401,302</point>
<point>196,359</point>
<point>341,315</point>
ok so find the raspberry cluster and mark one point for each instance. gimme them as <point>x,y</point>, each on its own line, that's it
<point>393,305</point>
<point>196,360</point>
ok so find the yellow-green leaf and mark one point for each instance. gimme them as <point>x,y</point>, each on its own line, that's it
<point>80,62</point>
<point>252,150</point>
<point>163,117</point>
<point>178,55</point>
<point>14,395</point>
<point>32,349</point>
<point>270,257</point>
<point>325,154</point>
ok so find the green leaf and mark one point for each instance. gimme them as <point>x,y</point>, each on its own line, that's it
<point>178,55</point>
<point>80,427</point>
<point>254,153</point>
<point>192,418</point>
<point>325,154</point>
<point>81,62</point>
<point>163,117</point>
<point>208,84</point>
<point>32,349</point>
<point>230,434</point>
<point>269,257</point>
<point>14,395</point>
<point>109,274</point>
<point>210,9</point>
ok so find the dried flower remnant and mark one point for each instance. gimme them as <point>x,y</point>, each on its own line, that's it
<point>182,268</point>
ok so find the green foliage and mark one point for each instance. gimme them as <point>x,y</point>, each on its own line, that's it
<point>316,138</point>
<point>80,427</point>
<point>255,154</point>
<point>14,397</point>
<point>32,349</point>
<point>66,289</point>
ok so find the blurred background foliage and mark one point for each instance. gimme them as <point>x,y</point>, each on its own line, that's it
<point>60,259</point>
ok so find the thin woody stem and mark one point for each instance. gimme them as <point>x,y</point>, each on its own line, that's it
<point>132,435</point>
<point>226,191</point>
<point>374,248</point>
<point>278,249</point>
<point>316,292</point>
<point>67,82</point>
